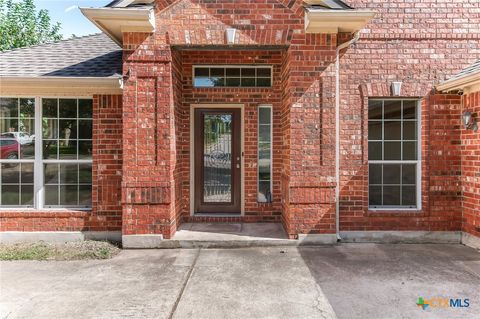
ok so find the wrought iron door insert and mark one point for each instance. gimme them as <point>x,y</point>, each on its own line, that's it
<point>217,161</point>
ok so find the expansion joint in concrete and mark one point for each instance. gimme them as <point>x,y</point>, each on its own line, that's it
<point>184,285</point>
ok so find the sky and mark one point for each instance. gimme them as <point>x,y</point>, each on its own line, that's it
<point>67,13</point>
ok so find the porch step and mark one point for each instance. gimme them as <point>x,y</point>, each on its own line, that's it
<point>228,235</point>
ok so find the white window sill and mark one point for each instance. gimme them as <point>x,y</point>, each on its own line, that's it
<point>392,210</point>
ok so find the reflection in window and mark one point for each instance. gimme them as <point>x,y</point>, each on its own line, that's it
<point>17,184</point>
<point>217,156</point>
<point>68,184</point>
<point>67,152</point>
<point>264,154</point>
<point>393,127</point>
<point>17,151</point>
<point>232,76</point>
<point>67,129</point>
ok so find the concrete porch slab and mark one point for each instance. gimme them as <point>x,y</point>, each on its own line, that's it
<point>228,235</point>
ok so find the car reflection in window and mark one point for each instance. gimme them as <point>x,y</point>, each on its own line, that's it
<point>16,145</point>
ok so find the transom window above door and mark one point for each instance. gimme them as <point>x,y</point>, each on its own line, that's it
<point>208,76</point>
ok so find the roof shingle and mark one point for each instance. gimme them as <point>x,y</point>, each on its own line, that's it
<point>88,56</point>
<point>474,68</point>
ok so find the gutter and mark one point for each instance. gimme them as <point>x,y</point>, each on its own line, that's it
<point>337,131</point>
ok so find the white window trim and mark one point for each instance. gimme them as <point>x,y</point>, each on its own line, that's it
<point>271,151</point>
<point>418,162</point>
<point>38,161</point>
<point>234,66</point>
<point>25,161</point>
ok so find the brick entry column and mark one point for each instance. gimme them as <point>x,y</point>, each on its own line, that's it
<point>309,137</point>
<point>148,142</point>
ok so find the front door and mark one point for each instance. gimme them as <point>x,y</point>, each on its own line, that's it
<point>217,161</point>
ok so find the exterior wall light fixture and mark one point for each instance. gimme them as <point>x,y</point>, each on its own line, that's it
<point>469,121</point>
<point>397,88</point>
<point>230,34</point>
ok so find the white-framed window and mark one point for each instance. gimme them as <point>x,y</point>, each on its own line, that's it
<point>394,154</point>
<point>265,117</point>
<point>208,76</point>
<point>17,151</point>
<point>46,152</point>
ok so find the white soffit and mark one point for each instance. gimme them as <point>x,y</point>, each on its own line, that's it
<point>13,86</point>
<point>115,21</point>
<point>320,20</point>
<point>469,84</point>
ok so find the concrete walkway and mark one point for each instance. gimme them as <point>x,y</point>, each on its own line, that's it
<point>345,281</point>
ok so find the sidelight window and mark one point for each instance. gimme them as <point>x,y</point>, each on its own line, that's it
<point>264,154</point>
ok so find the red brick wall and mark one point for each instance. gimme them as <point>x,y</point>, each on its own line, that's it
<point>303,163</point>
<point>181,166</point>
<point>419,43</point>
<point>251,98</point>
<point>308,122</point>
<point>441,176</point>
<point>107,163</point>
<point>44,221</point>
<point>203,22</point>
<point>471,168</point>
<point>149,150</point>
<point>106,213</point>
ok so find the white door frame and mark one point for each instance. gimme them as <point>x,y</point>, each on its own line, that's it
<point>192,155</point>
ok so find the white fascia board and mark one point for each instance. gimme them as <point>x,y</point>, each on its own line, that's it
<point>468,83</point>
<point>115,21</point>
<point>333,21</point>
<point>15,85</point>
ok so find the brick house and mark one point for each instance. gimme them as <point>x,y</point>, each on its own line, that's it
<point>339,120</point>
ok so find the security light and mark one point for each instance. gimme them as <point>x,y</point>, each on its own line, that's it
<point>230,34</point>
<point>469,122</point>
<point>396,88</point>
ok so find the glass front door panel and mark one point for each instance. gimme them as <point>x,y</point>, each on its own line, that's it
<point>217,158</point>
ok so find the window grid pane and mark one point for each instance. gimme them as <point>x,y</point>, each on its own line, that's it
<point>264,154</point>
<point>68,139</point>
<point>17,151</point>
<point>232,76</point>
<point>16,184</point>
<point>393,138</point>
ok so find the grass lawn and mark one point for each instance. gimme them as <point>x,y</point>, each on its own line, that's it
<point>68,251</point>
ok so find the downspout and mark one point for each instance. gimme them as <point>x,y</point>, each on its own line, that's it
<point>337,131</point>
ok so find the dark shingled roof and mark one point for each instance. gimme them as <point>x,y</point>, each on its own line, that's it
<point>88,56</point>
<point>474,68</point>
<point>331,5</point>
